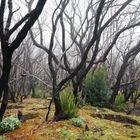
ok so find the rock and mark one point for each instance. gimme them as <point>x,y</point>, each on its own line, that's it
<point>20,116</point>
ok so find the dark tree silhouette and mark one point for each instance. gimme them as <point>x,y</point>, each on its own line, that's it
<point>8,47</point>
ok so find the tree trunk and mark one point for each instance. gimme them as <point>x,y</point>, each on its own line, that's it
<point>4,82</point>
<point>127,97</point>
<point>12,94</point>
<point>4,102</point>
<point>33,91</point>
<point>114,93</point>
<point>58,115</point>
<point>75,89</point>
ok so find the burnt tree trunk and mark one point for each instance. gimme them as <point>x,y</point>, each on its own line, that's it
<point>7,56</point>
<point>56,97</point>
<point>58,108</point>
<point>8,48</point>
<point>75,88</point>
<point>129,57</point>
<point>12,94</point>
<point>33,91</point>
<point>118,81</point>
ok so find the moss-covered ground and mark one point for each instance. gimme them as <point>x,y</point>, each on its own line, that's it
<point>96,126</point>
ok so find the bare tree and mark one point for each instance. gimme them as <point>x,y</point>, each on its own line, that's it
<point>128,57</point>
<point>87,39</point>
<point>8,46</point>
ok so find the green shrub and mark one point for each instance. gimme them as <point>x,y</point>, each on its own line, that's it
<point>9,124</point>
<point>96,87</point>
<point>38,92</point>
<point>69,105</point>
<point>121,105</point>
<point>77,121</point>
<point>2,138</point>
<point>119,99</point>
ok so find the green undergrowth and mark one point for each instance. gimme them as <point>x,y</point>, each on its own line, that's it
<point>68,103</point>
<point>102,129</point>
<point>82,127</point>
<point>77,121</point>
<point>2,138</point>
<point>9,124</point>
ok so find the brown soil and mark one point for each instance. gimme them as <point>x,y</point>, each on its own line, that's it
<point>117,118</point>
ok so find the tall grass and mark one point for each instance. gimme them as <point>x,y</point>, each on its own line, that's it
<point>69,104</point>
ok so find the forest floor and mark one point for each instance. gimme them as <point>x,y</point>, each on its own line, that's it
<point>99,124</point>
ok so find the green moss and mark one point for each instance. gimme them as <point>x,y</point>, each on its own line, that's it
<point>67,133</point>
<point>2,138</point>
<point>88,135</point>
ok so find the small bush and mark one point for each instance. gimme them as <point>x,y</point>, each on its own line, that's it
<point>121,105</point>
<point>96,87</point>
<point>119,99</point>
<point>9,124</point>
<point>38,92</point>
<point>69,105</point>
<point>2,138</point>
<point>77,121</point>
